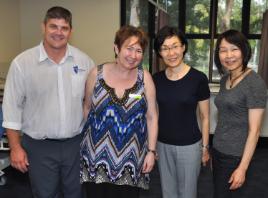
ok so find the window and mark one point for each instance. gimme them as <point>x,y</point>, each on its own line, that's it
<point>257,8</point>
<point>173,11</point>
<point>197,15</point>
<point>202,21</point>
<point>143,13</point>
<point>198,54</point>
<point>136,13</point>
<point>229,15</point>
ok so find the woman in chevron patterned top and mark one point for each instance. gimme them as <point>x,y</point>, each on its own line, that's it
<point>118,149</point>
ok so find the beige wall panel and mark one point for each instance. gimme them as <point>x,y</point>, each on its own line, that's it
<point>9,33</point>
<point>95,23</point>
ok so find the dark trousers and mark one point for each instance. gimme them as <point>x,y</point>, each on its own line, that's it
<point>54,167</point>
<point>223,167</point>
<point>107,190</point>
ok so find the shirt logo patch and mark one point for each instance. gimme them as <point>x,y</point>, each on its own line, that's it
<point>77,69</point>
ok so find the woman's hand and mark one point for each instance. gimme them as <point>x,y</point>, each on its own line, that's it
<point>237,178</point>
<point>205,156</point>
<point>148,163</point>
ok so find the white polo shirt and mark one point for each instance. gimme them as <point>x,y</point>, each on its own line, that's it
<point>44,99</point>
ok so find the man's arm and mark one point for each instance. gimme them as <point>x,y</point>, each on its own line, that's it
<point>18,156</point>
<point>14,95</point>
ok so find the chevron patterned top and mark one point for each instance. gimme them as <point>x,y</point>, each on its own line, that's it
<point>115,140</point>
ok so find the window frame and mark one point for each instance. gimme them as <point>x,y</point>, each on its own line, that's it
<point>212,35</point>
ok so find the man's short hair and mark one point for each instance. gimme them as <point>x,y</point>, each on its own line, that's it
<point>58,12</point>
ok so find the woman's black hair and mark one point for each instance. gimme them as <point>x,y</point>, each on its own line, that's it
<point>168,32</point>
<point>238,39</point>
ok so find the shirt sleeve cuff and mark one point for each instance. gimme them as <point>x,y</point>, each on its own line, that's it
<point>12,125</point>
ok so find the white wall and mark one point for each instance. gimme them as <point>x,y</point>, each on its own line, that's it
<point>94,24</point>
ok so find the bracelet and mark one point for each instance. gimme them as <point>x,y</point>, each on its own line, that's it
<point>154,152</point>
<point>205,146</point>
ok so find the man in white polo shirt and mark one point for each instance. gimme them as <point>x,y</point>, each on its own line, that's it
<point>43,99</point>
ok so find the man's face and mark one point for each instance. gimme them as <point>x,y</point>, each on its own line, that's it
<point>56,33</point>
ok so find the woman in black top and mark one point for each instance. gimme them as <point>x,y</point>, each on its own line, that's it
<point>180,89</point>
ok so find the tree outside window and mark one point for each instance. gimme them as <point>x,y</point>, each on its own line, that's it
<point>202,21</point>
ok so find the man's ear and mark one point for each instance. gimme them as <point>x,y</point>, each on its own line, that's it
<point>43,27</point>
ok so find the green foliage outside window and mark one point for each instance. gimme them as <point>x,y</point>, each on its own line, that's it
<point>229,15</point>
<point>198,54</point>
<point>257,8</point>
<point>173,11</point>
<point>197,16</point>
<point>197,27</point>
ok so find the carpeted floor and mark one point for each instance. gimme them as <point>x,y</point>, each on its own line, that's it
<point>257,178</point>
<point>18,186</point>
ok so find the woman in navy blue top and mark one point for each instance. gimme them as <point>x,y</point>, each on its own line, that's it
<point>180,90</point>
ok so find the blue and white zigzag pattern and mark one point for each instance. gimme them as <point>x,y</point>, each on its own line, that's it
<point>116,135</point>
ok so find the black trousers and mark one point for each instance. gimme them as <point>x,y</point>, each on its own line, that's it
<point>54,167</point>
<point>223,167</point>
<point>107,190</point>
